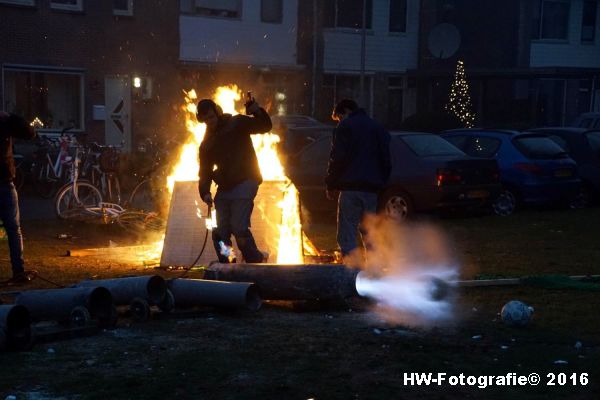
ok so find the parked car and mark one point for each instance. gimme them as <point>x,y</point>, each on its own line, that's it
<point>428,173</point>
<point>589,120</point>
<point>533,169</point>
<point>293,121</point>
<point>297,131</point>
<point>583,146</point>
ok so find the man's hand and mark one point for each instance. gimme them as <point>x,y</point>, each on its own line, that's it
<point>251,106</point>
<point>207,198</point>
<point>332,194</point>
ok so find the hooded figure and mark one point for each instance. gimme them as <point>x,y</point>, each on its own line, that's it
<point>227,158</point>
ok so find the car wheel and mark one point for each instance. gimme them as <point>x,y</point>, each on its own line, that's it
<point>582,200</point>
<point>397,205</point>
<point>506,203</point>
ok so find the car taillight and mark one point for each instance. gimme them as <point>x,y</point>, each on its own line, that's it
<point>445,176</point>
<point>529,168</point>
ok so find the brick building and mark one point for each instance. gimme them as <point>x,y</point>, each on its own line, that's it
<point>74,63</point>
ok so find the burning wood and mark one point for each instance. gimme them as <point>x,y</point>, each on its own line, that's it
<point>285,230</point>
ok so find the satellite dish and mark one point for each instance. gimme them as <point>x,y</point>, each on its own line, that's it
<point>443,41</point>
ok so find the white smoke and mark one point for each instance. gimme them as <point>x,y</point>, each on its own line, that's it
<point>408,271</point>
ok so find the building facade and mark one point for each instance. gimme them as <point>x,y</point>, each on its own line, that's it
<point>361,58</point>
<point>103,68</point>
<point>528,62</point>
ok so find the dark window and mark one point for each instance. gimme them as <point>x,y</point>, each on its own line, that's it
<point>397,16</point>
<point>395,105</point>
<point>123,7</point>
<point>538,148</point>
<point>346,13</point>
<point>588,22</point>
<point>271,11</point>
<point>551,19</point>
<point>485,147</point>
<point>560,141</point>
<point>430,145</point>
<point>53,97</point>
<point>459,141</point>
<point>213,8</point>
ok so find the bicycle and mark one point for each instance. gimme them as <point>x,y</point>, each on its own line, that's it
<point>82,200</point>
<point>49,174</point>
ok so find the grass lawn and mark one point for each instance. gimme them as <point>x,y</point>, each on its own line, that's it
<point>282,352</point>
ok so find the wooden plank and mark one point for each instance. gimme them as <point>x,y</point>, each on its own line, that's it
<point>185,232</point>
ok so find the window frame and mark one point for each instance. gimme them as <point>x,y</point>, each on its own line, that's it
<point>369,21</point>
<point>124,13</point>
<point>192,10</point>
<point>22,3</point>
<point>396,32</point>
<point>79,72</point>
<point>540,22</point>
<point>67,7</point>
<point>593,26</point>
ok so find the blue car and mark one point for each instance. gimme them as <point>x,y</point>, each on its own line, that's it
<point>533,168</point>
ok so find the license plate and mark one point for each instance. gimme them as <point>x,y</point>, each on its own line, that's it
<point>562,173</point>
<point>478,194</point>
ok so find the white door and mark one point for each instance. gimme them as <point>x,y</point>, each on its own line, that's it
<point>117,131</point>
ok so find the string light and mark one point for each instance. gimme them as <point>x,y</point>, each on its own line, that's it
<point>459,102</point>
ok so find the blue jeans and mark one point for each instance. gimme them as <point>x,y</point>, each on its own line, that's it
<point>234,209</point>
<point>9,214</point>
<point>352,206</point>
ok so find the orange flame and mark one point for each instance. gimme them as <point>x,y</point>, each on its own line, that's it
<point>290,229</point>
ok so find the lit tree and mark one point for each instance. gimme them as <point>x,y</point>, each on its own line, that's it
<point>459,102</point>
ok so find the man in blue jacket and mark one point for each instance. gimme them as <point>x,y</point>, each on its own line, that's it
<point>12,126</point>
<point>359,167</point>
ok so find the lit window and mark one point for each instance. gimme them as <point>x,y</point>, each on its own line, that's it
<point>588,22</point>
<point>397,16</point>
<point>19,2</point>
<point>271,11</point>
<point>53,96</point>
<point>123,7</point>
<point>551,19</point>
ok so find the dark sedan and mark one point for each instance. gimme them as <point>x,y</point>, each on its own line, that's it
<point>583,146</point>
<point>428,173</point>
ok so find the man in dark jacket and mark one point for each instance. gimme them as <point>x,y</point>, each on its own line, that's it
<point>227,157</point>
<point>359,166</point>
<point>12,126</point>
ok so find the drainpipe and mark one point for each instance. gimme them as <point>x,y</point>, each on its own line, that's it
<point>77,305</point>
<point>151,288</point>
<point>197,292</point>
<point>290,282</point>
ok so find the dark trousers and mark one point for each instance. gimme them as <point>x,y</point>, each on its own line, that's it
<point>233,218</point>
<point>9,214</point>
<point>352,206</point>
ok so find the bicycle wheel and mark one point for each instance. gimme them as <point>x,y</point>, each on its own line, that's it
<point>140,221</point>
<point>147,195</point>
<point>45,183</point>
<point>113,189</point>
<point>70,204</point>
